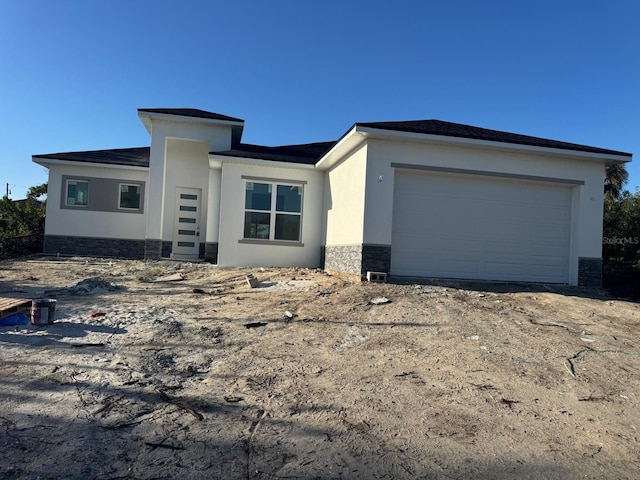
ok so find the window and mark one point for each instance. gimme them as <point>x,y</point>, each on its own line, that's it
<point>77,193</point>
<point>129,196</point>
<point>272,211</point>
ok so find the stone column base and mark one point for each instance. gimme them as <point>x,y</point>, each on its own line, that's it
<point>152,249</point>
<point>211,252</point>
<point>357,260</point>
<point>590,272</point>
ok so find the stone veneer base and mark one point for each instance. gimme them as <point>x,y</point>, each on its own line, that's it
<point>162,249</point>
<point>376,258</point>
<point>357,260</point>
<point>93,247</point>
<point>590,272</point>
<point>211,252</point>
<point>152,249</point>
<point>343,258</point>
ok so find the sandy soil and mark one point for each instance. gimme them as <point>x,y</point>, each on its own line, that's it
<point>446,381</point>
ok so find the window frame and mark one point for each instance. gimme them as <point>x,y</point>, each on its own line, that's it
<point>66,193</point>
<point>140,193</point>
<point>273,212</point>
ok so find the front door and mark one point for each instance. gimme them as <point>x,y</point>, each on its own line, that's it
<point>186,226</point>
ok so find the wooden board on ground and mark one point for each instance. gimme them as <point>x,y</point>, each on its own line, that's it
<point>176,277</point>
<point>9,306</point>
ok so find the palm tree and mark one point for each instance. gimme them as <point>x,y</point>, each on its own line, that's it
<point>616,176</point>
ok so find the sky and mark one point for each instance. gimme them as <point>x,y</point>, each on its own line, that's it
<point>74,72</point>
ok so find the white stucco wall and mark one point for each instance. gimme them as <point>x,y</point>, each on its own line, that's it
<point>213,206</point>
<point>187,165</point>
<point>344,200</point>
<point>164,132</point>
<point>90,223</point>
<point>233,253</point>
<point>587,198</point>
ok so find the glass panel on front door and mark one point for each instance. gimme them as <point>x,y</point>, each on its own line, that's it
<point>186,231</point>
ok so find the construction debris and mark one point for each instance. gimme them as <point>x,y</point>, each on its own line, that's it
<point>91,286</point>
<point>175,277</point>
<point>232,399</point>
<point>379,300</point>
<point>255,324</point>
<point>10,306</point>
<point>547,323</point>
<point>252,281</point>
<point>168,399</point>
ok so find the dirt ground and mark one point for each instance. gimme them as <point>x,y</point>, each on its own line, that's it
<point>304,377</point>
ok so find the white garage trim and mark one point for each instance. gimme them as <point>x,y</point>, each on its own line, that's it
<point>450,225</point>
<point>485,173</point>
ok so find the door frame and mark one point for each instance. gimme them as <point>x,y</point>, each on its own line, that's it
<point>185,219</point>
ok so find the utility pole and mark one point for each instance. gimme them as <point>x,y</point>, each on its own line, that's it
<point>7,189</point>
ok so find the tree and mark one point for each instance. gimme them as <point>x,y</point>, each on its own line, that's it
<point>621,227</point>
<point>37,191</point>
<point>24,216</point>
<point>616,176</point>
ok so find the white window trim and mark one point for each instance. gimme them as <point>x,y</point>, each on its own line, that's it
<point>130,184</point>
<point>66,193</point>
<point>272,212</point>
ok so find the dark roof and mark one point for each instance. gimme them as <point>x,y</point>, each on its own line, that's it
<point>23,203</point>
<point>448,129</point>
<point>135,157</point>
<point>191,112</point>
<point>307,153</point>
<point>310,153</point>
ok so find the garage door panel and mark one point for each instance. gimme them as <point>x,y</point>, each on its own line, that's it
<point>550,215</point>
<point>550,234</point>
<point>411,210</point>
<point>456,226</point>
<point>496,269</point>
<point>543,263</point>
<point>507,210</point>
<point>460,266</point>
<point>407,223</point>
<point>550,272</point>
<point>425,262</point>
<point>542,194</point>
<point>538,251</point>
<point>506,248</point>
<point>459,245</point>
<point>500,230</point>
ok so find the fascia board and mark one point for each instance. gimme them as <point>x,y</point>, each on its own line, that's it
<point>186,119</point>
<point>47,162</point>
<point>216,161</point>
<point>382,134</point>
<point>346,144</point>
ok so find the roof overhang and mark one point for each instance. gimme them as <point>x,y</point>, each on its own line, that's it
<point>47,162</point>
<point>347,143</point>
<point>147,119</point>
<point>358,134</point>
<point>216,161</point>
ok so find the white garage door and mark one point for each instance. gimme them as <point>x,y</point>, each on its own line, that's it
<point>469,226</point>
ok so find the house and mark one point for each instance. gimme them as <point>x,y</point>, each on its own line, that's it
<point>416,198</point>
